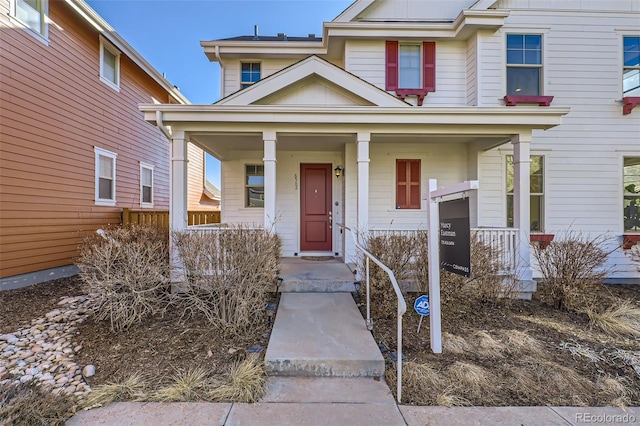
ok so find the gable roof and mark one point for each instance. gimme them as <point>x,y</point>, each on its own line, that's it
<point>360,6</point>
<point>354,86</point>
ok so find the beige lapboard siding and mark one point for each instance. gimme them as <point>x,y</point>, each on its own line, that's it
<point>54,111</point>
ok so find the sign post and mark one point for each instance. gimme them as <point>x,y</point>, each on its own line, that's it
<point>434,244</point>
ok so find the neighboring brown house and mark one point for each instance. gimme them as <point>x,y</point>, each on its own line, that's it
<point>74,148</point>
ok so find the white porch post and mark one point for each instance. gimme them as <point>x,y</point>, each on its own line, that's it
<point>269,159</point>
<point>178,200</point>
<point>362,222</point>
<point>521,201</point>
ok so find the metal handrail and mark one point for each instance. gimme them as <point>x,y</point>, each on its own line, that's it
<point>402,305</point>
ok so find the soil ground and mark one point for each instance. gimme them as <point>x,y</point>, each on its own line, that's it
<point>160,345</point>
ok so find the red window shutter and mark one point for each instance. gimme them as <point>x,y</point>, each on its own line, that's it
<point>392,65</point>
<point>407,184</point>
<point>429,63</point>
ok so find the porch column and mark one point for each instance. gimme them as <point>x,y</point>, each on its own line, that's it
<point>178,200</point>
<point>521,202</point>
<point>362,144</point>
<point>269,159</point>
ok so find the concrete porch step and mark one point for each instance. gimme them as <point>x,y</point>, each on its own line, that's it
<point>321,334</point>
<point>308,276</point>
<point>342,390</point>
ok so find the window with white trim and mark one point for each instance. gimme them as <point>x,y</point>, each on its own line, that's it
<point>32,14</point>
<point>254,185</point>
<point>524,64</point>
<point>146,185</point>
<point>105,183</point>
<point>536,191</point>
<point>631,191</point>
<point>249,74</point>
<point>109,64</point>
<point>631,66</point>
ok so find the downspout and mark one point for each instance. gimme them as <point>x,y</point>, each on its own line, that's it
<point>165,130</point>
<point>217,53</point>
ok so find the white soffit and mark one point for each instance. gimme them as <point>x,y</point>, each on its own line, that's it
<point>330,76</point>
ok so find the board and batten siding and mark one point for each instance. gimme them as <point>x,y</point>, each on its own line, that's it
<point>366,59</point>
<point>583,156</point>
<point>54,111</point>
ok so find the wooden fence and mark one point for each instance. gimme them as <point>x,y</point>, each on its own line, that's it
<point>161,217</point>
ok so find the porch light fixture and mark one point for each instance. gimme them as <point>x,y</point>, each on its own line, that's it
<point>338,170</point>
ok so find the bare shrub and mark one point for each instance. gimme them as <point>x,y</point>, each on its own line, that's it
<point>228,274</point>
<point>128,270</point>
<point>28,404</point>
<point>397,252</point>
<point>618,320</point>
<point>571,269</point>
<point>635,255</point>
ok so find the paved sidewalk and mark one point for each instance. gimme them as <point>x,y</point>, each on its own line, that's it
<point>352,414</point>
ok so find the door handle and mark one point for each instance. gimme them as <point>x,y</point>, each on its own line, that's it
<point>330,220</point>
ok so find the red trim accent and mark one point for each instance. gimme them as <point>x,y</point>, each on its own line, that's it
<point>429,65</point>
<point>513,100</point>
<point>630,240</point>
<point>630,102</point>
<point>543,239</point>
<point>391,64</point>
<point>420,93</point>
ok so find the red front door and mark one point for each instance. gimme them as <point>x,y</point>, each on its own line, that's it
<point>315,207</point>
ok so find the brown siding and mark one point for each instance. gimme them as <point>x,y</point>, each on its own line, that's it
<point>54,109</point>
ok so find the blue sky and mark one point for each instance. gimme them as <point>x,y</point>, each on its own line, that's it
<point>168,34</point>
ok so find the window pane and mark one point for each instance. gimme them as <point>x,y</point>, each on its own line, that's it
<point>533,42</point>
<point>536,201</point>
<point>147,176</point>
<point>29,12</point>
<point>250,73</point>
<point>631,59</point>
<point>515,57</point>
<point>536,213</point>
<point>515,41</point>
<point>409,67</point>
<point>146,194</point>
<point>105,189</point>
<point>533,57</point>
<point>632,51</point>
<point>109,66</point>
<point>254,181</point>
<point>523,81</point>
<point>631,83</point>
<point>106,167</point>
<point>537,175</point>
<point>255,197</point>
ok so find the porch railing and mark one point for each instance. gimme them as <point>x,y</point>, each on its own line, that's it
<point>402,305</point>
<point>502,240</point>
<point>161,217</point>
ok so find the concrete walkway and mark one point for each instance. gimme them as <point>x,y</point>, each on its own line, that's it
<point>348,414</point>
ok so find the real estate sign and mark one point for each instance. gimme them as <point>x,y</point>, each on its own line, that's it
<point>455,237</point>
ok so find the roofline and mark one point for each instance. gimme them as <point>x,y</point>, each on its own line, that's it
<point>108,32</point>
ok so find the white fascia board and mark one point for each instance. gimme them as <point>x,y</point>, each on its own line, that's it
<point>351,12</point>
<point>483,4</point>
<point>449,120</point>
<point>308,67</point>
<point>262,49</point>
<point>103,27</point>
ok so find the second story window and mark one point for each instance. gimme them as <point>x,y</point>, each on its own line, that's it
<point>32,13</point>
<point>410,68</point>
<point>631,67</point>
<point>109,64</point>
<point>249,74</point>
<point>524,64</point>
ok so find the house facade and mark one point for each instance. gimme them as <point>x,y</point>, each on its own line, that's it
<point>346,128</point>
<point>74,147</point>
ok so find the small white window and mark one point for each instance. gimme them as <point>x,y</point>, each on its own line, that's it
<point>105,177</point>
<point>32,14</point>
<point>249,74</point>
<point>109,64</point>
<point>146,185</point>
<point>410,64</point>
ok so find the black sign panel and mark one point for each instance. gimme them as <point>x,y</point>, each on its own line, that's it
<point>455,237</point>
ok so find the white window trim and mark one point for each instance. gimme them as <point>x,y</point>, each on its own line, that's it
<point>152,168</point>
<point>527,31</point>
<point>249,84</point>
<point>102,201</point>
<point>104,44</point>
<point>41,37</point>
<point>621,37</point>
